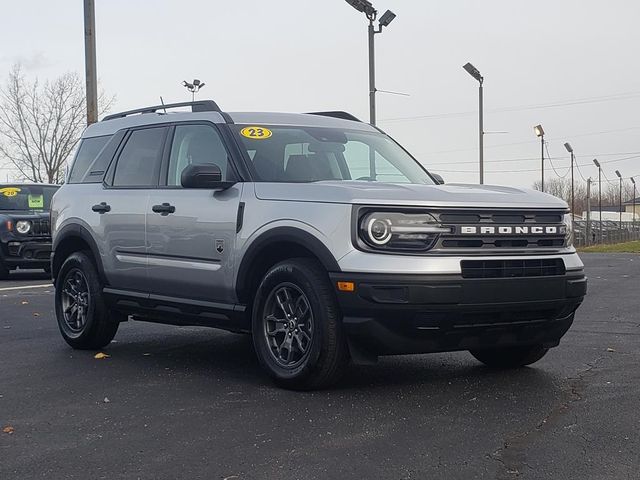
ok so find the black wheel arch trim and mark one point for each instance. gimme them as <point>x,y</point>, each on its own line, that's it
<point>275,236</point>
<point>75,230</point>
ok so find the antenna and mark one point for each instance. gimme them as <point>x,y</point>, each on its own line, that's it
<point>162,102</point>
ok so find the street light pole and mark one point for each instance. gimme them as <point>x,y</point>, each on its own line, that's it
<point>372,72</point>
<point>633,202</point>
<point>599,197</point>
<point>481,130</point>
<point>91,76</point>
<point>475,73</point>
<point>620,197</point>
<point>539,131</point>
<point>570,150</point>
<point>589,211</point>
<point>366,7</point>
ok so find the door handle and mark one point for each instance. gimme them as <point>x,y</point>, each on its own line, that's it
<point>164,209</point>
<point>101,208</point>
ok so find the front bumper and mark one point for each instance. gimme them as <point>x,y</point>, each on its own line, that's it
<point>31,253</point>
<point>419,313</point>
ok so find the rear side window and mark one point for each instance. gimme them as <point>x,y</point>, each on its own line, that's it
<point>87,153</point>
<point>139,161</point>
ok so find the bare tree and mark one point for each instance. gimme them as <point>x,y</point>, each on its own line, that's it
<point>40,124</point>
<point>561,188</point>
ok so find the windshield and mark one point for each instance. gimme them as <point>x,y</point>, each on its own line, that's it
<point>311,154</point>
<point>26,197</point>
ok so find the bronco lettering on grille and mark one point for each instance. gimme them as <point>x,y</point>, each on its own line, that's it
<point>512,230</point>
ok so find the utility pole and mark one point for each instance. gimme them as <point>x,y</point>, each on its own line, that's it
<point>589,229</point>
<point>90,61</point>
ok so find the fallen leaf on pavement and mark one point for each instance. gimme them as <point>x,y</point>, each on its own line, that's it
<point>100,356</point>
<point>610,349</point>
<point>106,400</point>
<point>24,302</point>
<point>8,429</point>
<point>36,314</point>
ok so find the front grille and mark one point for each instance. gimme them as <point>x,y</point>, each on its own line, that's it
<point>41,227</point>
<point>512,268</point>
<point>501,231</point>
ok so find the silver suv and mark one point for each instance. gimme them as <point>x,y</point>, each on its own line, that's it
<point>316,233</point>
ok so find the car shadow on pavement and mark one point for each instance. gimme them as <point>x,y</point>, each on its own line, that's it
<point>206,354</point>
<point>28,275</point>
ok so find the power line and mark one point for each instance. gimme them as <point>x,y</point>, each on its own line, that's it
<point>590,134</point>
<point>579,101</point>
<point>546,147</point>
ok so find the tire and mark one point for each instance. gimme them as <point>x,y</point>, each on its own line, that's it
<point>307,348</point>
<point>4,271</point>
<point>90,325</point>
<point>510,357</point>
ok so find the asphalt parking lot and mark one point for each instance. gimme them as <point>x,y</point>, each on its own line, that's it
<point>192,403</point>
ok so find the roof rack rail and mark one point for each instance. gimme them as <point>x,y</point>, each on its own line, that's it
<point>338,114</point>
<point>198,106</point>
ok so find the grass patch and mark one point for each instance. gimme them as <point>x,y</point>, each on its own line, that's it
<point>627,247</point>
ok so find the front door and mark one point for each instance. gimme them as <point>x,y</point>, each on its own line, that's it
<point>120,210</point>
<point>191,232</point>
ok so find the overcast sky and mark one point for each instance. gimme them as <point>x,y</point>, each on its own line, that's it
<point>571,65</point>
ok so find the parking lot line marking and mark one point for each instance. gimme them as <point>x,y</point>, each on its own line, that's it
<point>24,287</point>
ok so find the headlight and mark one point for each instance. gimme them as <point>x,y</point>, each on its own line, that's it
<point>400,231</point>
<point>568,221</point>
<point>23,226</point>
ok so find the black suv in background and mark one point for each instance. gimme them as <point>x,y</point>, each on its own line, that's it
<point>25,229</point>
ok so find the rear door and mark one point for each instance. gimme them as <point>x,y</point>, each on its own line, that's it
<point>191,234</point>
<point>121,207</point>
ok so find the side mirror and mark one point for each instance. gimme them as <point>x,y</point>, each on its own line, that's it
<point>204,176</point>
<point>438,178</point>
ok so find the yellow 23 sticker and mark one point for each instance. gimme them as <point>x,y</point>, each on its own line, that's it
<point>256,133</point>
<point>9,191</point>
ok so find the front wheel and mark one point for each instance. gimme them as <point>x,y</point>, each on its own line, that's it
<point>83,318</point>
<point>510,357</point>
<point>296,326</point>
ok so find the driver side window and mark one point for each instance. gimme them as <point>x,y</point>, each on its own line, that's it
<point>196,145</point>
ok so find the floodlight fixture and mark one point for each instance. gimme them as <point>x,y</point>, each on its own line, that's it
<point>596,162</point>
<point>386,18</point>
<point>633,180</point>
<point>473,71</point>
<point>618,174</point>
<point>568,147</point>
<point>365,7</point>
<point>194,87</point>
<point>539,130</point>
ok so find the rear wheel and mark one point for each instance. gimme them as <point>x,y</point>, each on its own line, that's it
<point>510,357</point>
<point>83,318</point>
<point>296,327</point>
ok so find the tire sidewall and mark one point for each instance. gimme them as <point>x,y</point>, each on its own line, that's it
<point>291,272</point>
<point>82,262</point>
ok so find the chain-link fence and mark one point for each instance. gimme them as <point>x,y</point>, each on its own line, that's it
<point>606,231</point>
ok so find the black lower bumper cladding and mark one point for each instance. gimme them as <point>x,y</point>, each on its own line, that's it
<point>394,314</point>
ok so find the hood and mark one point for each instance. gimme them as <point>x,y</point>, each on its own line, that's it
<point>373,193</point>
<point>24,214</point>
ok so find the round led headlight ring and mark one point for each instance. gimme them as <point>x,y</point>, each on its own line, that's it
<point>23,226</point>
<point>379,231</point>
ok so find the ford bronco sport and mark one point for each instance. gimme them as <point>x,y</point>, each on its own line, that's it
<point>25,236</point>
<point>316,233</point>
